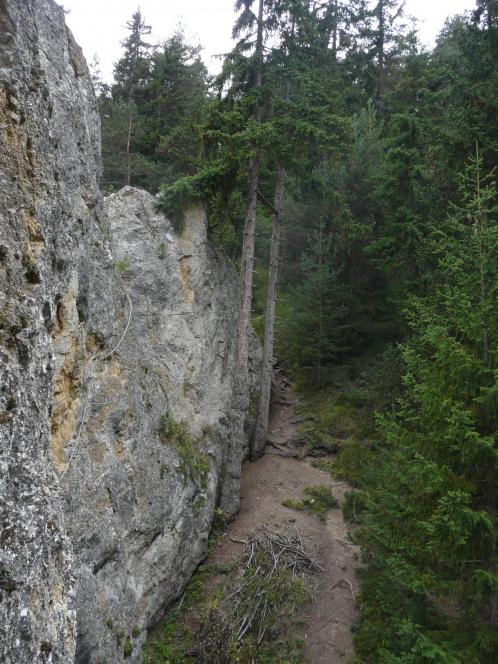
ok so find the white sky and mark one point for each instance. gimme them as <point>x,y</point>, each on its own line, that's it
<point>98,25</point>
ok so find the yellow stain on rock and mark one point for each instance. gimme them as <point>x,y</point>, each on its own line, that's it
<point>66,406</point>
<point>185,273</point>
<point>66,401</point>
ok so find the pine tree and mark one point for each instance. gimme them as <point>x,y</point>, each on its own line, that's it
<point>132,69</point>
<point>130,73</point>
<point>312,318</point>
<point>248,75</point>
<point>167,105</point>
<point>376,42</point>
<point>433,526</point>
<point>487,10</point>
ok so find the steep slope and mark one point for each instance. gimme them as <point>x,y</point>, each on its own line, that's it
<point>116,370</point>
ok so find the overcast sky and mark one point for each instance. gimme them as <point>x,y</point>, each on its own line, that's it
<point>98,25</point>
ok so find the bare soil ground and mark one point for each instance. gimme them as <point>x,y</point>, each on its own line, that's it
<point>278,476</point>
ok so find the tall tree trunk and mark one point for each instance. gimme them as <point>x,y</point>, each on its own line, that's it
<point>261,429</point>
<point>247,264</point>
<point>240,401</point>
<point>380,49</point>
<point>482,271</point>
<point>128,148</point>
<point>335,29</point>
<point>246,278</point>
<point>260,434</point>
<point>320,311</point>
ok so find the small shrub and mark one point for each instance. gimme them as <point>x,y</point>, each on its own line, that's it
<point>354,506</point>
<point>128,648</point>
<point>328,424</point>
<point>324,464</point>
<point>318,500</point>
<point>353,462</point>
<point>194,464</point>
<point>122,266</point>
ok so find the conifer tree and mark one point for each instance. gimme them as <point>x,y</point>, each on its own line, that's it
<point>130,73</point>
<point>434,520</point>
<point>249,29</point>
<point>313,317</point>
<point>376,42</point>
<point>487,10</point>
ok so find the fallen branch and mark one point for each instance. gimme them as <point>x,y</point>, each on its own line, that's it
<point>267,555</point>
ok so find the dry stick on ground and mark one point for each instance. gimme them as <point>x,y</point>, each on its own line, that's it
<point>279,552</point>
<point>256,600</point>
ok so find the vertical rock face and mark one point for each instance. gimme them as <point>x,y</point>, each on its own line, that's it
<point>115,372</point>
<point>142,494</point>
<point>50,225</point>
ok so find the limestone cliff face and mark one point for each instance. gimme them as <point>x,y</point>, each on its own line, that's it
<point>116,351</point>
<point>51,225</point>
<point>154,446</point>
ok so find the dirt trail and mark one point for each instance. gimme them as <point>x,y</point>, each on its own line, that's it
<point>275,478</point>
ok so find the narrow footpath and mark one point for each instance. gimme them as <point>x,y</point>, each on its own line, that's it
<point>279,476</point>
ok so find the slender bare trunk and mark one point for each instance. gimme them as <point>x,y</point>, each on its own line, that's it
<point>247,265</point>
<point>242,333</point>
<point>482,274</point>
<point>261,429</point>
<point>335,29</point>
<point>229,499</point>
<point>128,150</point>
<point>380,46</point>
<point>260,433</point>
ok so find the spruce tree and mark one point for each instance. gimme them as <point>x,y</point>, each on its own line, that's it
<point>431,537</point>
<point>312,318</point>
<point>130,73</point>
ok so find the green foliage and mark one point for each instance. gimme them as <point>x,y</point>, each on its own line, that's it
<point>168,646</point>
<point>312,319</point>
<point>354,506</point>
<point>431,522</point>
<point>122,266</point>
<point>194,464</point>
<point>176,197</point>
<point>342,417</point>
<point>354,462</point>
<point>318,500</point>
<point>153,114</point>
<point>128,648</point>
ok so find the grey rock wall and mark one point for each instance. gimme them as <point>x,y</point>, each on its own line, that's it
<point>116,340</point>
<point>141,497</point>
<point>51,221</point>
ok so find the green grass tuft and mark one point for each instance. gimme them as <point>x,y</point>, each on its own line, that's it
<point>194,464</point>
<point>318,500</point>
